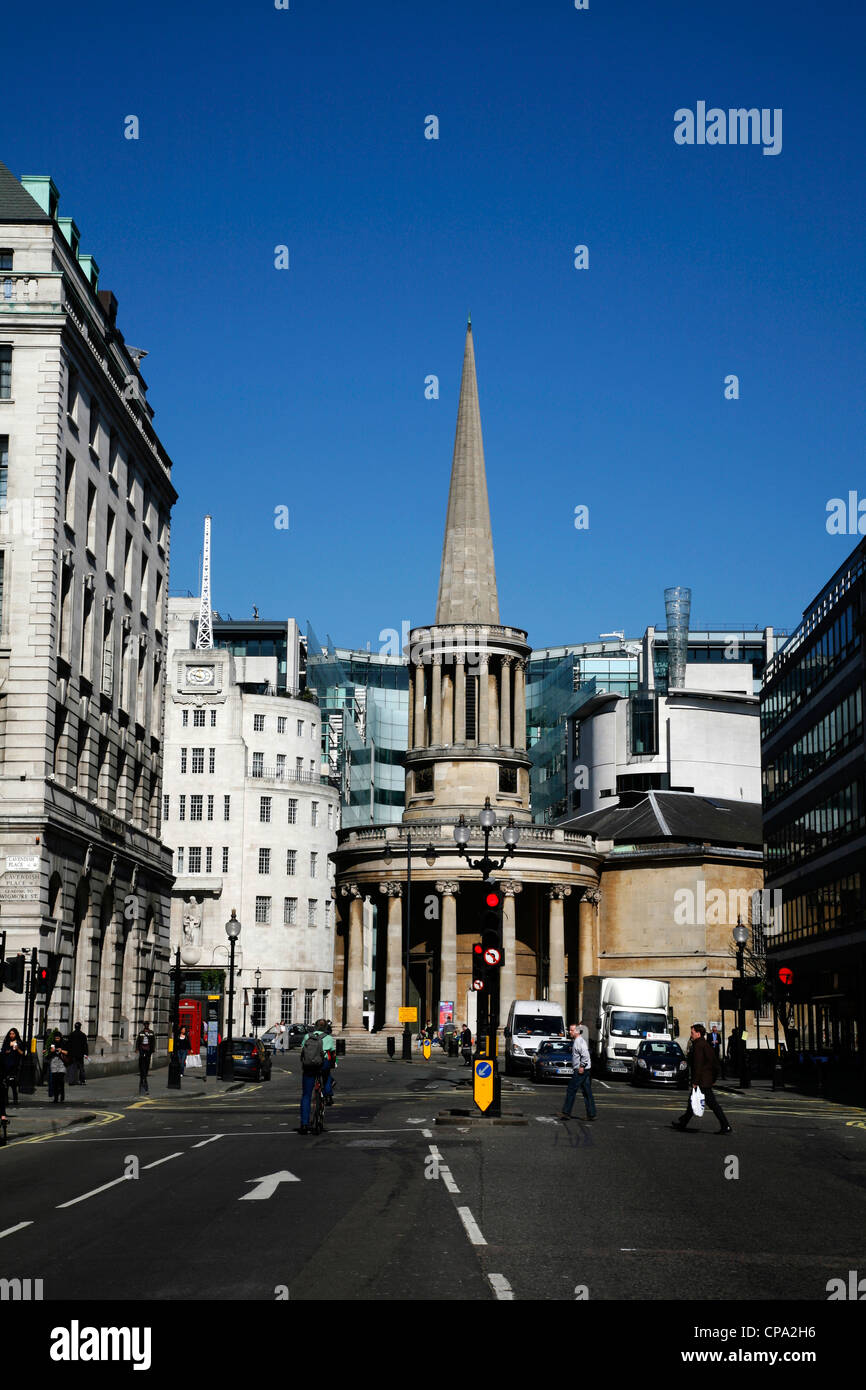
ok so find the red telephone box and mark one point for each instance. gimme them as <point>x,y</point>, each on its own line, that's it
<point>190,1018</point>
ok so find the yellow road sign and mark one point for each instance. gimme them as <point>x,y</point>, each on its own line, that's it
<point>482,1090</point>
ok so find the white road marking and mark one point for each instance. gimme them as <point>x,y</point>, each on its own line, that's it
<point>10,1230</point>
<point>95,1193</point>
<point>445,1174</point>
<point>207,1141</point>
<point>267,1186</point>
<point>501,1287</point>
<point>416,1122</point>
<point>471,1228</point>
<point>546,1119</point>
<point>602,1083</point>
<point>428,1133</point>
<point>158,1161</point>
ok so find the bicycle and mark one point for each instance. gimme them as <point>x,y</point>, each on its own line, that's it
<point>317,1107</point>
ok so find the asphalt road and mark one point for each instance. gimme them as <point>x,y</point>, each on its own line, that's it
<point>387,1205</point>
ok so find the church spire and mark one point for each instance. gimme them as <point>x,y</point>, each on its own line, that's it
<point>467,581</point>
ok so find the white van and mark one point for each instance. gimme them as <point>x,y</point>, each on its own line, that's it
<point>530,1023</point>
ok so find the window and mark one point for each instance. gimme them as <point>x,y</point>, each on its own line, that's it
<point>264,861</point>
<point>309,1000</point>
<point>165,806</point>
<point>260,1005</point>
<point>286,1004</point>
<point>5,373</point>
<point>329,908</point>
<point>312,911</point>
<point>69,492</point>
<point>198,760</point>
<point>281,767</point>
<point>4,469</point>
<point>293,810</point>
<point>211,760</point>
<point>181,808</point>
<point>314,813</point>
<point>180,861</point>
<point>184,718</point>
<point>127,564</point>
<point>91,518</point>
<point>263,910</point>
<point>210,808</point>
<point>330,817</point>
<point>290,911</point>
<point>195,807</point>
<point>225,859</point>
<point>195,860</point>
<point>300,728</point>
<point>198,718</point>
<point>312,769</point>
<point>213,715</point>
<point>208,860</point>
<point>281,725</point>
<point>258,723</point>
<point>508,779</point>
<point>314,859</point>
<point>183,760</point>
<point>227,808</point>
<point>109,542</point>
<point>93,436</point>
<point>258,767</point>
<point>265,809</point>
<point>5,260</point>
<point>290,860</point>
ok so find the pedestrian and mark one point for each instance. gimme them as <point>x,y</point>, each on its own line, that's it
<point>705,1069</point>
<point>466,1045</point>
<point>57,1063</point>
<point>318,1057</point>
<point>144,1046</point>
<point>184,1044</point>
<point>77,1048</point>
<point>11,1057</point>
<point>52,1041</point>
<point>581,1075</point>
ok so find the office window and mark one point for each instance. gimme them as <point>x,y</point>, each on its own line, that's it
<point>198,760</point>
<point>312,769</point>
<point>208,860</point>
<point>165,805</point>
<point>195,860</point>
<point>183,760</point>
<point>286,1005</point>
<point>281,767</point>
<point>329,908</point>
<point>264,861</point>
<point>330,817</point>
<point>211,760</point>
<point>184,718</point>
<point>198,718</point>
<point>290,860</point>
<point>4,469</point>
<point>258,723</point>
<point>225,859</point>
<point>281,725</point>
<point>94,425</point>
<point>210,808</point>
<point>260,1008</point>
<point>309,1000</point>
<point>263,910</point>
<point>293,810</point>
<point>290,911</point>
<point>5,260</point>
<point>5,373</point>
<point>180,861</point>
<point>312,911</point>
<point>314,859</point>
<point>265,809</point>
<point>69,492</point>
<point>314,813</point>
<point>213,715</point>
<point>258,766</point>
<point>195,807</point>
<point>299,769</point>
<point>181,807</point>
<point>227,808</point>
<point>300,728</point>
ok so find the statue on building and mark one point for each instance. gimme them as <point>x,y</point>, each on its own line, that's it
<point>192,932</point>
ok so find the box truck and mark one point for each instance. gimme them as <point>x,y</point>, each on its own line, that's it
<point>620,1013</point>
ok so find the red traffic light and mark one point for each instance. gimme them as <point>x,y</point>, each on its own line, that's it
<point>786,976</point>
<point>492,900</point>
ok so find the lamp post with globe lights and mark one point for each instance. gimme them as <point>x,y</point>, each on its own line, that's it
<point>741,936</point>
<point>233,931</point>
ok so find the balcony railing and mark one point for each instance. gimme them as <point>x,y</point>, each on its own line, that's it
<point>284,774</point>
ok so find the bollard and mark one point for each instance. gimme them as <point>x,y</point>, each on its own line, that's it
<point>392,1048</point>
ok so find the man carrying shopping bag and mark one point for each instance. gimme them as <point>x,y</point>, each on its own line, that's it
<point>705,1070</point>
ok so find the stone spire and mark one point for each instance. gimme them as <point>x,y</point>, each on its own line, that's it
<point>467,582</point>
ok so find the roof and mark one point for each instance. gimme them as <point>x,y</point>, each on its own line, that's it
<point>16,204</point>
<point>675,816</point>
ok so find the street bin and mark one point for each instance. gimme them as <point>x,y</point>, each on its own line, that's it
<point>341,1047</point>
<point>391,1045</point>
<point>452,1045</point>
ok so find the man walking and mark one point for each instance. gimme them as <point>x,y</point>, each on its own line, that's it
<point>77,1047</point>
<point>144,1046</point>
<point>466,1045</point>
<point>705,1069</point>
<point>581,1076</point>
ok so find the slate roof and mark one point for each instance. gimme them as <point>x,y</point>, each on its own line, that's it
<point>682,817</point>
<point>16,204</point>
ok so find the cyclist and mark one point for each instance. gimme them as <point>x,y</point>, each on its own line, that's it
<point>318,1057</point>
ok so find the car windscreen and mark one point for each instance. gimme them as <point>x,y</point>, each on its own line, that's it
<point>555,1050</point>
<point>541,1025</point>
<point>660,1049</point>
<point>631,1025</point>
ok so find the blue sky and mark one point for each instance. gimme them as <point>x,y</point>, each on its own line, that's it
<point>604,387</point>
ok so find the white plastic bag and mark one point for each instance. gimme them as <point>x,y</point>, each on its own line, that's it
<point>698,1102</point>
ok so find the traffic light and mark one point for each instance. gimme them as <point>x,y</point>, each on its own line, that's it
<point>478,972</point>
<point>46,975</point>
<point>13,974</point>
<point>783,982</point>
<point>491,927</point>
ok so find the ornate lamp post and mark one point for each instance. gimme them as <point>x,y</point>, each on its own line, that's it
<point>258,979</point>
<point>233,931</point>
<point>487,820</point>
<point>741,936</point>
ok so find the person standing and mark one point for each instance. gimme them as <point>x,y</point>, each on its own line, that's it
<point>77,1048</point>
<point>144,1046</point>
<point>705,1069</point>
<point>11,1056</point>
<point>581,1075</point>
<point>466,1045</point>
<point>184,1044</point>
<point>58,1059</point>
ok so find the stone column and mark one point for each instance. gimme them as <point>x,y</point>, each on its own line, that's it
<point>587,917</point>
<point>355,960</point>
<point>505,704</point>
<point>410,741</point>
<point>493,686</point>
<point>420,725</point>
<point>483,700</point>
<point>394,967</point>
<point>520,703</point>
<point>460,698</point>
<point>508,975</point>
<point>448,706</point>
<point>448,958</point>
<point>557,893</point>
<point>436,700</point>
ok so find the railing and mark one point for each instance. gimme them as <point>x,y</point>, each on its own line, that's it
<point>17,289</point>
<point>424,831</point>
<point>279,774</point>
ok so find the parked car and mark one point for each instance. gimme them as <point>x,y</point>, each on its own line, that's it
<point>552,1062</point>
<point>660,1064</point>
<point>251,1060</point>
<point>281,1037</point>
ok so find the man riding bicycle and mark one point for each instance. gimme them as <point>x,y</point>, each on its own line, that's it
<point>318,1057</point>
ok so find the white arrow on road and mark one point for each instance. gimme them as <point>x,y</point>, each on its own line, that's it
<point>267,1186</point>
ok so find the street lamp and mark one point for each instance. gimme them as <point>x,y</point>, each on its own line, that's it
<point>258,979</point>
<point>487,820</point>
<point>233,931</point>
<point>741,936</point>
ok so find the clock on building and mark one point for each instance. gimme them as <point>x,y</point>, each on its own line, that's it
<point>199,675</point>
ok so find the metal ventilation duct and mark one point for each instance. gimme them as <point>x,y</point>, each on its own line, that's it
<point>678,604</point>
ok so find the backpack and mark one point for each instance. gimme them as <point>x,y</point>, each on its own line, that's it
<point>312,1052</point>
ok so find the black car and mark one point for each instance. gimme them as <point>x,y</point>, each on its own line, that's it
<point>251,1060</point>
<point>660,1064</point>
<point>552,1062</point>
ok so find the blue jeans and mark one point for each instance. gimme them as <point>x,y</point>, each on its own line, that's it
<point>584,1085</point>
<point>309,1082</point>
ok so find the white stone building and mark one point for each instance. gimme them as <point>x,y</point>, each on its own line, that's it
<point>251,818</point>
<point>85,504</point>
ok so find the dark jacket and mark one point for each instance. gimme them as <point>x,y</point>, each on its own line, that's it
<point>77,1045</point>
<point>704,1064</point>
